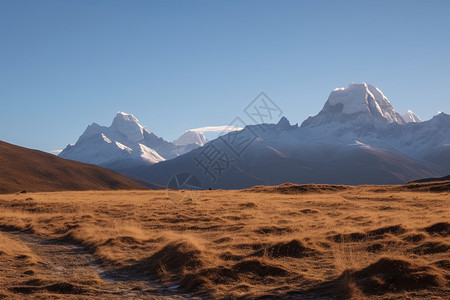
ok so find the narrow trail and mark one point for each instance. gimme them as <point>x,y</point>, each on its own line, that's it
<point>67,264</point>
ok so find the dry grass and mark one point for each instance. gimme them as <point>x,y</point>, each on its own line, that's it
<point>354,242</point>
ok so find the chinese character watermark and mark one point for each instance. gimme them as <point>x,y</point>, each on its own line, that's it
<point>183,187</point>
<point>213,160</point>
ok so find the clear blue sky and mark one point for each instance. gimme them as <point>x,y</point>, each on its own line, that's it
<point>178,65</point>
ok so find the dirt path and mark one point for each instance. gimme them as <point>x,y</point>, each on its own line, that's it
<point>69,271</point>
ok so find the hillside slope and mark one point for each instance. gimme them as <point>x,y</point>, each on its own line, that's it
<point>36,171</point>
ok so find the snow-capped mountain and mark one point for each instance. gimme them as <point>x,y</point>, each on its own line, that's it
<point>357,138</point>
<point>410,116</point>
<point>191,137</point>
<point>357,104</point>
<point>126,143</point>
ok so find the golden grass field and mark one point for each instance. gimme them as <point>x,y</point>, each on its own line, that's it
<point>291,242</point>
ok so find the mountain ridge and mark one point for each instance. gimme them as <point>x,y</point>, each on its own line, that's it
<point>357,138</point>
<point>369,144</point>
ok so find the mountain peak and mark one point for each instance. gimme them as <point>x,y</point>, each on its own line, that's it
<point>129,126</point>
<point>191,137</point>
<point>361,97</point>
<point>360,101</point>
<point>284,123</point>
<point>411,117</point>
<point>441,116</point>
<point>125,117</point>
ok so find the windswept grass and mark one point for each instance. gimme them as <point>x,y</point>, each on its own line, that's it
<point>287,241</point>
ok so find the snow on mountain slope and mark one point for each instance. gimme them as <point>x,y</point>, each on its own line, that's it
<point>297,155</point>
<point>358,104</point>
<point>126,142</point>
<point>428,140</point>
<point>149,155</point>
<point>126,126</point>
<point>411,117</point>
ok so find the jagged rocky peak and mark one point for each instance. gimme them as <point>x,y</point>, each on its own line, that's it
<point>285,124</point>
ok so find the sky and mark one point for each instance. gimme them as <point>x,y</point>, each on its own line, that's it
<point>177,65</point>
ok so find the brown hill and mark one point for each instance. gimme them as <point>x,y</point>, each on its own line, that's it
<point>37,171</point>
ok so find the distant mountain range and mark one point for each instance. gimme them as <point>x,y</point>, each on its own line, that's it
<point>29,170</point>
<point>357,138</point>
